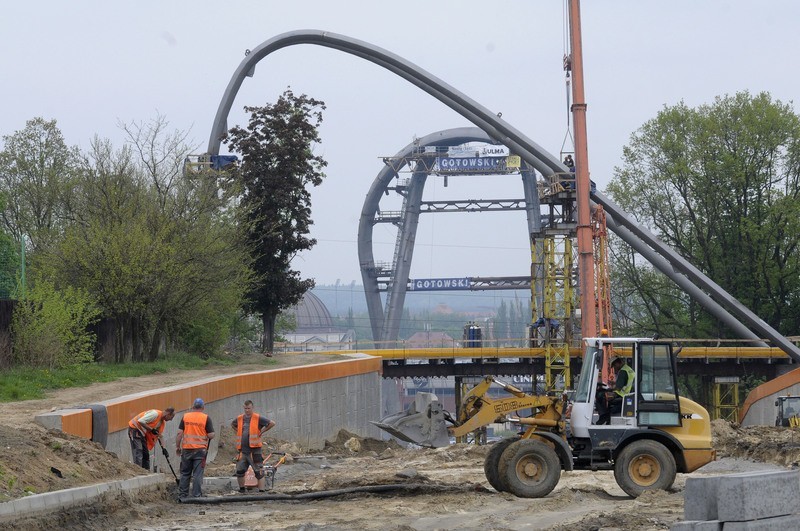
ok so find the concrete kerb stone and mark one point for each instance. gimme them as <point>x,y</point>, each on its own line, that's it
<point>695,525</point>
<point>62,499</point>
<point>741,498</point>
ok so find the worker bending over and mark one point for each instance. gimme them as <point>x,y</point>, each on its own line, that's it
<point>143,431</point>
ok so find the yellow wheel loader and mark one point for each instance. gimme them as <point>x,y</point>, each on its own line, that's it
<point>652,434</point>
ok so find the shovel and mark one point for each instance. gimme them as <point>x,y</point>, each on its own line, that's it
<point>177,481</point>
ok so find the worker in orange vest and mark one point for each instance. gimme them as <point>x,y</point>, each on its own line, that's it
<point>249,428</point>
<point>143,431</point>
<point>194,433</point>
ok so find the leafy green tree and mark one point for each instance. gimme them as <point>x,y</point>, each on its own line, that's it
<point>245,329</point>
<point>50,327</point>
<point>720,183</point>
<point>9,262</point>
<point>36,168</point>
<point>646,302</point>
<point>278,167</point>
<point>158,247</point>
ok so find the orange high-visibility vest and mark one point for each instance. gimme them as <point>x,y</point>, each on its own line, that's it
<point>255,439</point>
<point>194,431</point>
<point>157,424</point>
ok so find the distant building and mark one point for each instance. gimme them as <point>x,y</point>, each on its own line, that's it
<point>315,329</point>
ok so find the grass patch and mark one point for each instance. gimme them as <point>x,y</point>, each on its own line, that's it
<point>25,383</point>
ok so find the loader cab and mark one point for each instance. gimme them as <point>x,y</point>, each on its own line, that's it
<point>788,411</point>
<point>653,399</point>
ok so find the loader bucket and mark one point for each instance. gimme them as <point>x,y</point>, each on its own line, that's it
<point>422,423</point>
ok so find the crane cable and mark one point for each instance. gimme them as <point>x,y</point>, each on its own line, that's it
<point>568,81</point>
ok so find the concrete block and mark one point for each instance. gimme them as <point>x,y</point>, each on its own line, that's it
<point>700,498</point>
<point>697,525</point>
<point>756,496</point>
<point>51,421</point>
<point>779,523</point>
<point>741,497</point>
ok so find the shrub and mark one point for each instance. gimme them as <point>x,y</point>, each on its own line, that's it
<point>49,327</point>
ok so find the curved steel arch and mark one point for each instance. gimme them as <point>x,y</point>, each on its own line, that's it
<point>626,227</point>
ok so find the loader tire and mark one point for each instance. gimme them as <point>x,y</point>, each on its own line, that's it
<point>531,468</point>
<point>491,465</point>
<point>644,465</point>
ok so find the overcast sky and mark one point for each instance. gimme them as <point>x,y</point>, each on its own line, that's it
<point>91,64</point>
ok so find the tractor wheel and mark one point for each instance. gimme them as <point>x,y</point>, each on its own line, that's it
<point>644,465</point>
<point>531,468</point>
<point>491,465</point>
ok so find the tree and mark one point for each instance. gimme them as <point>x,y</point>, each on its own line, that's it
<point>9,262</point>
<point>36,168</point>
<point>278,166</point>
<point>158,247</point>
<point>721,185</point>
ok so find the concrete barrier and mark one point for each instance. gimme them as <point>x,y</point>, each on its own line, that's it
<point>753,500</point>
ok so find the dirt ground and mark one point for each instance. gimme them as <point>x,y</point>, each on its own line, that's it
<point>441,488</point>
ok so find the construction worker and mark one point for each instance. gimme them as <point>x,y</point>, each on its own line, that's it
<point>623,383</point>
<point>608,401</point>
<point>250,427</point>
<point>143,431</point>
<point>194,433</point>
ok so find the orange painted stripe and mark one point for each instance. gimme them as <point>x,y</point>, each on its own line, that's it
<point>771,387</point>
<point>78,423</point>
<point>120,411</point>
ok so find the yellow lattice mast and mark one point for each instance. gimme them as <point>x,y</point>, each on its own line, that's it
<point>552,328</point>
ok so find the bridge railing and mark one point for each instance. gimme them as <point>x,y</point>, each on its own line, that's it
<point>444,348</point>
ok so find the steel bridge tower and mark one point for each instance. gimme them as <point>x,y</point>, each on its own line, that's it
<point>392,278</point>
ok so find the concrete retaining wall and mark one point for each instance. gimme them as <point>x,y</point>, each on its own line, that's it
<point>309,405</point>
<point>759,407</point>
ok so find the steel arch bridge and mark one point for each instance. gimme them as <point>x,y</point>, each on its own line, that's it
<point>705,291</point>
